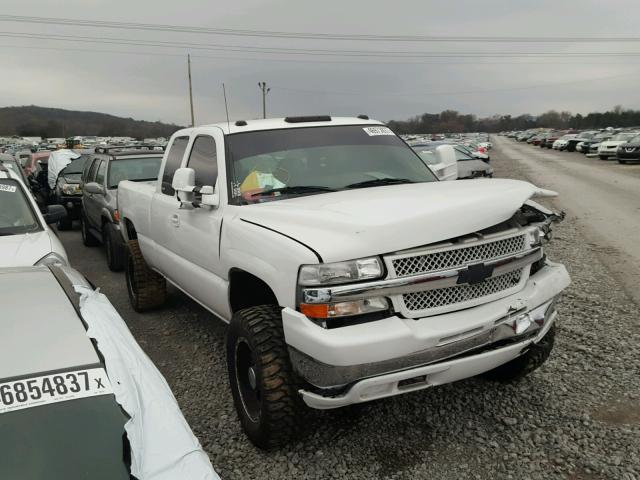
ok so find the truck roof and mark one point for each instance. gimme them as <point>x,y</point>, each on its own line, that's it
<point>282,123</point>
<point>41,330</point>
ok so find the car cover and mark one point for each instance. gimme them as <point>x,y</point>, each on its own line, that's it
<point>163,447</point>
<point>57,161</point>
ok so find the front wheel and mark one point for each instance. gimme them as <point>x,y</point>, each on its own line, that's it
<point>116,254</point>
<point>88,240</point>
<point>526,363</point>
<point>263,384</point>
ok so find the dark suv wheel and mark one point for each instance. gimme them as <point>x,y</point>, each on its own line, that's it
<point>263,384</point>
<point>113,244</point>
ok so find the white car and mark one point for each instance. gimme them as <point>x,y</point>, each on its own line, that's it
<point>346,271</point>
<point>608,149</point>
<point>25,236</point>
<point>442,161</point>
<point>561,143</point>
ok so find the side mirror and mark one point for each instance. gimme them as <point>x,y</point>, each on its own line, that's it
<point>54,214</point>
<point>184,180</point>
<point>446,155</point>
<point>94,188</point>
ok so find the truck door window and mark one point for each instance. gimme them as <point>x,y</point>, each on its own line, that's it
<point>174,160</point>
<point>203,160</point>
<point>102,169</point>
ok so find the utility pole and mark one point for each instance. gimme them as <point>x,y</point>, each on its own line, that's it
<point>193,123</point>
<point>265,90</point>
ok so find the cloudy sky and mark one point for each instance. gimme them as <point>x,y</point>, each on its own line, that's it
<point>142,72</point>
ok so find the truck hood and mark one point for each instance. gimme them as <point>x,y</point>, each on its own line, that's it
<point>24,250</point>
<point>372,221</point>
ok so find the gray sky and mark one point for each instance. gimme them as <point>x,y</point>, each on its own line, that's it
<point>150,82</point>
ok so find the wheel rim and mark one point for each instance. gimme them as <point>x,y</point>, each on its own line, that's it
<point>246,380</point>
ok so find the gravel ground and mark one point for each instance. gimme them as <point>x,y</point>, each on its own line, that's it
<point>578,417</point>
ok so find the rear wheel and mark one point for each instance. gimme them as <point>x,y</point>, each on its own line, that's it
<point>147,289</point>
<point>116,254</point>
<point>263,384</point>
<point>526,363</point>
<point>88,239</point>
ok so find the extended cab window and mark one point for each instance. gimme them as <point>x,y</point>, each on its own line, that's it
<point>91,173</point>
<point>204,161</point>
<point>174,160</point>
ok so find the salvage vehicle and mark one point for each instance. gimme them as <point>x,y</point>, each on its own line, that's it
<point>68,192</point>
<point>346,271</point>
<point>12,164</point>
<point>609,148</point>
<point>581,137</point>
<point>561,143</point>
<point>99,188</point>
<point>590,147</point>
<point>441,160</point>
<point>629,151</point>
<point>78,396</point>
<point>25,236</point>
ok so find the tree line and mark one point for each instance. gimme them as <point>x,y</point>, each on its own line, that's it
<point>33,121</point>
<point>451,121</point>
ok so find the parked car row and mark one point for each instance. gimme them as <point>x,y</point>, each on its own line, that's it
<point>622,145</point>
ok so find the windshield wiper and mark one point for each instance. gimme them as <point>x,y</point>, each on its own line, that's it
<point>295,189</point>
<point>379,181</point>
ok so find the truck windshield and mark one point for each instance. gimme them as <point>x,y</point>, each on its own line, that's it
<point>303,161</point>
<point>137,169</point>
<point>83,438</point>
<point>16,214</point>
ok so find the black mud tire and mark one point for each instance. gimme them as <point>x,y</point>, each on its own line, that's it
<point>88,240</point>
<point>525,364</point>
<point>269,408</point>
<point>65,223</point>
<point>147,289</point>
<point>114,247</point>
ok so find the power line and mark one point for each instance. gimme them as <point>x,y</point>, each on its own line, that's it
<point>464,92</point>
<point>312,35</point>
<point>309,52</point>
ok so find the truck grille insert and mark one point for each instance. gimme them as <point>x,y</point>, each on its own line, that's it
<point>458,257</point>
<point>450,296</point>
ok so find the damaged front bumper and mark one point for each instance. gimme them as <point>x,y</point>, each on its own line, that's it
<point>390,356</point>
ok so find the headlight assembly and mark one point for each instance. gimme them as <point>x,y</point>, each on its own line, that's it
<point>340,272</point>
<point>51,259</point>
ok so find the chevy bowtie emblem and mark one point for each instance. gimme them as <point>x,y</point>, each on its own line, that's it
<point>475,273</point>
<point>629,149</point>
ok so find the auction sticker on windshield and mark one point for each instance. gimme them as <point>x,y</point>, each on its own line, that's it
<point>375,131</point>
<point>8,188</point>
<point>58,387</point>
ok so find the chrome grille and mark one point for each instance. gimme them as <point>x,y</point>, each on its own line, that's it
<point>458,257</point>
<point>450,296</point>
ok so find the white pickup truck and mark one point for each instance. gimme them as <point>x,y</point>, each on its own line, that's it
<point>346,271</point>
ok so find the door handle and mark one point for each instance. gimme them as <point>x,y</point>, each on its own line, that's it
<point>175,220</point>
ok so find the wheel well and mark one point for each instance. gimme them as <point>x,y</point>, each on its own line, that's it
<point>131,230</point>
<point>247,290</point>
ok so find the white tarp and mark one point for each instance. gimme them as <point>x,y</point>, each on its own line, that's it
<point>163,447</point>
<point>57,161</point>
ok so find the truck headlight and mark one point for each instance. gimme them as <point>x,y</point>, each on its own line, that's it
<point>340,272</point>
<point>70,188</point>
<point>51,259</point>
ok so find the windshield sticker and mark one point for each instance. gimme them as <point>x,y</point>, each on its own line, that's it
<point>8,188</point>
<point>375,131</point>
<point>59,387</point>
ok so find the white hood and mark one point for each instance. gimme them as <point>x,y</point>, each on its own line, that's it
<point>24,250</point>
<point>372,221</point>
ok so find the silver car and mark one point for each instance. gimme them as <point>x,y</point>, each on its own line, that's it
<point>103,172</point>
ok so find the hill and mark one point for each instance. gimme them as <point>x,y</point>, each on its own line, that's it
<point>33,121</point>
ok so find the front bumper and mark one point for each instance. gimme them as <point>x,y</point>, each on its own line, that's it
<point>345,357</point>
